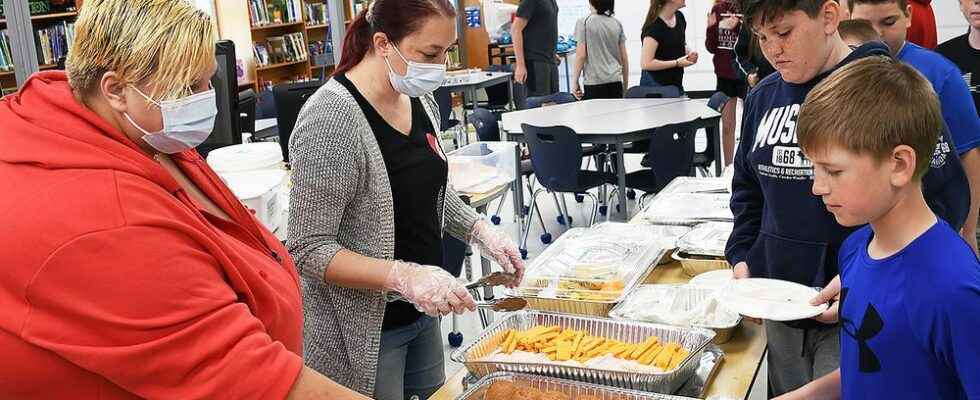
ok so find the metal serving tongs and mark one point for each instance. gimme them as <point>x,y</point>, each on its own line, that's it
<point>491,280</point>
<point>506,304</point>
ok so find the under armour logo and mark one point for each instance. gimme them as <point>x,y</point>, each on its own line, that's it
<point>871,325</point>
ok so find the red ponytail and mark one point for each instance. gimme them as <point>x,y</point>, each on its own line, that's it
<point>396,18</point>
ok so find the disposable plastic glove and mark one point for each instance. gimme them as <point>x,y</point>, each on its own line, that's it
<point>496,244</point>
<point>430,289</point>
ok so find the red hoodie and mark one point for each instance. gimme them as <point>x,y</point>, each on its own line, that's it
<point>923,29</point>
<point>115,284</point>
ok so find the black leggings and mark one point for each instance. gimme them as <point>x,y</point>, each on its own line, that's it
<point>604,91</point>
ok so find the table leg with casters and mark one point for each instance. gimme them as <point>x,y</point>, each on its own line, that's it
<point>486,316</point>
<point>517,187</point>
<point>621,175</point>
<point>714,134</point>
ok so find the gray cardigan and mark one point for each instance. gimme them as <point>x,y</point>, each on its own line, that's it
<point>341,199</point>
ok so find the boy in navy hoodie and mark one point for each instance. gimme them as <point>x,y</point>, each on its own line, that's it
<point>781,230</point>
<point>911,285</point>
<point>892,19</point>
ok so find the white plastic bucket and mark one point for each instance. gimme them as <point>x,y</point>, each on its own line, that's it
<point>260,191</point>
<point>246,157</point>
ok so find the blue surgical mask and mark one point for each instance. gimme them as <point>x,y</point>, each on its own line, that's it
<point>187,122</point>
<point>419,78</point>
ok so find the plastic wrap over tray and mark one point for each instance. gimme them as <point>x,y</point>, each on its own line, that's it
<point>689,208</point>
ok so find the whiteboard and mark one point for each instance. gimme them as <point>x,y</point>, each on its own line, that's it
<point>569,12</point>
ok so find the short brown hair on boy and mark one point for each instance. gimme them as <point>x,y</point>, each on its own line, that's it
<point>902,4</point>
<point>860,30</point>
<point>759,12</point>
<point>870,106</point>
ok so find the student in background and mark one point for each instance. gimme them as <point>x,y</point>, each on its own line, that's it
<point>891,19</point>
<point>723,27</point>
<point>911,286</point>
<point>856,32</point>
<point>750,64</point>
<point>665,53</point>
<point>781,230</point>
<point>923,29</point>
<point>535,34</point>
<point>601,53</point>
<point>964,50</point>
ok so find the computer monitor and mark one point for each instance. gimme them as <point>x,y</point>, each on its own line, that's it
<point>289,98</point>
<point>227,130</point>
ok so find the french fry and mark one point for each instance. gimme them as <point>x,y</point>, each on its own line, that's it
<point>675,361</point>
<point>550,349</point>
<point>625,352</point>
<point>651,354</point>
<point>662,360</point>
<point>576,342</point>
<point>644,347</point>
<point>564,351</point>
<point>544,337</point>
<point>593,345</point>
<point>513,344</point>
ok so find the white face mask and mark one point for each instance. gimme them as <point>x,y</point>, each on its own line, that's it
<point>187,122</point>
<point>419,78</point>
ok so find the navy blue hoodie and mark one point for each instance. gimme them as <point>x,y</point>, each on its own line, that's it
<point>782,230</point>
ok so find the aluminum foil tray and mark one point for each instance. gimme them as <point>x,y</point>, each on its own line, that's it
<point>662,303</point>
<point>693,339</point>
<point>574,390</point>
<point>595,266</point>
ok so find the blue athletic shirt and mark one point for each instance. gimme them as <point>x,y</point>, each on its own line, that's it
<point>954,95</point>
<point>910,323</point>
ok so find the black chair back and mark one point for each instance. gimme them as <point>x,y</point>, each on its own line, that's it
<point>290,98</point>
<point>672,154</point>
<point>444,98</point>
<point>654,92</point>
<point>556,156</point>
<point>487,127</point>
<point>246,111</point>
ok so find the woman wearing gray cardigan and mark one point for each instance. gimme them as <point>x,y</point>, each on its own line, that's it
<point>370,203</point>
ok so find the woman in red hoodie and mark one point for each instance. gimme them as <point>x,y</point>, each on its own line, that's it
<point>128,269</point>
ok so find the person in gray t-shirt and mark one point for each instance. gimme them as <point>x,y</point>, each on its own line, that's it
<point>601,52</point>
<point>535,33</point>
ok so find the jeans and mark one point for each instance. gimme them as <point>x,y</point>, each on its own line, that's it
<point>411,361</point>
<point>798,356</point>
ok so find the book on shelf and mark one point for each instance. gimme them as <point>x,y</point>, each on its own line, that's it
<point>6,58</point>
<point>281,49</point>
<point>53,42</point>
<point>261,53</point>
<point>265,12</point>
<point>317,14</point>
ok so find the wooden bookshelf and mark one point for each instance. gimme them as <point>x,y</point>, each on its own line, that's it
<point>280,65</point>
<point>62,15</point>
<point>277,26</point>
<point>8,78</point>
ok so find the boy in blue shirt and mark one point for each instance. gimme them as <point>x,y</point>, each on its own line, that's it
<point>781,230</point>
<point>910,298</point>
<point>892,19</point>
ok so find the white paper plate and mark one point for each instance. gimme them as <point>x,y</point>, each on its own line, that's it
<point>713,280</point>
<point>770,299</point>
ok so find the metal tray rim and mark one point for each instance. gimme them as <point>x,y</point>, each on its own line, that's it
<point>459,355</point>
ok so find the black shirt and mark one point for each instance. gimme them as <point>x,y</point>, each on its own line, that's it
<point>417,172</point>
<point>671,45</point>
<point>541,32</point>
<point>959,51</point>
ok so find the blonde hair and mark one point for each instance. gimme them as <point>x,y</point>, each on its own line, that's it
<point>870,106</point>
<point>163,44</point>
